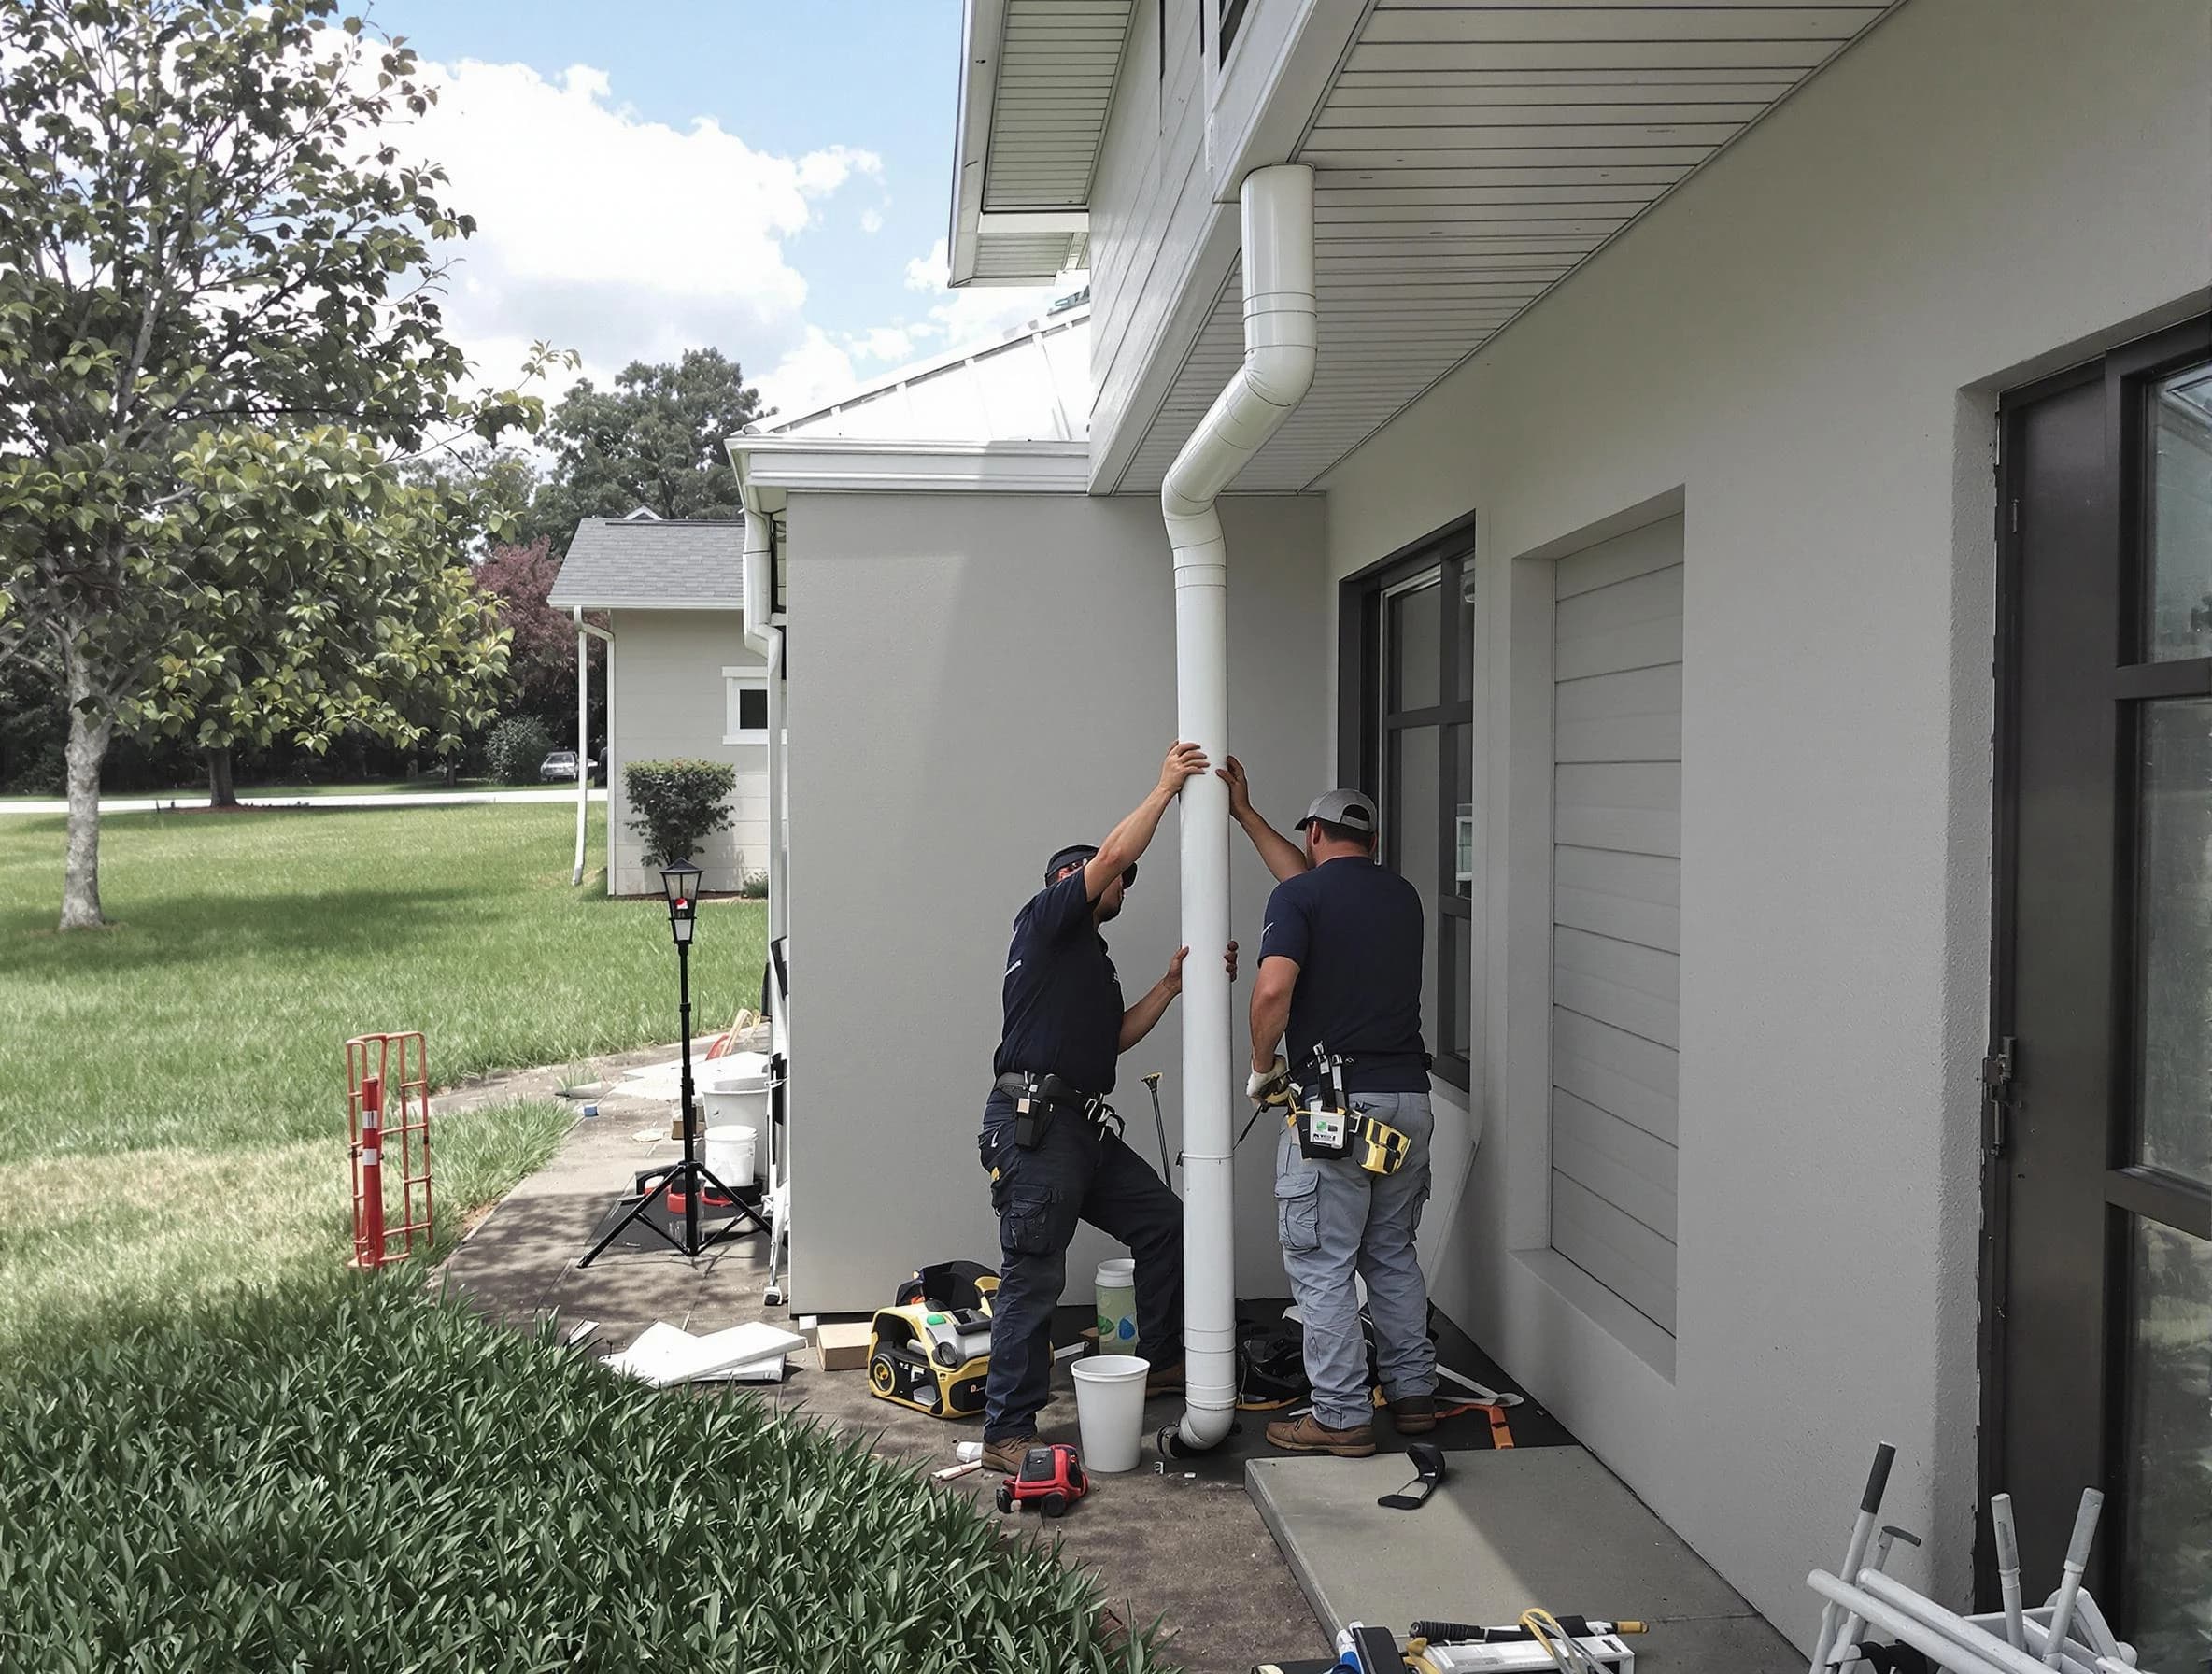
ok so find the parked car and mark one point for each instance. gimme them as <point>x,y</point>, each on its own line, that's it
<point>559,767</point>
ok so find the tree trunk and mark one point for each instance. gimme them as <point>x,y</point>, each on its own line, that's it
<point>89,733</point>
<point>222,793</point>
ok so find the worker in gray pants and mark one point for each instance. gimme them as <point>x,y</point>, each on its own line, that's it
<point>1338,988</point>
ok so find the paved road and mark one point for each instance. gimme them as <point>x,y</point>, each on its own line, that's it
<point>262,799</point>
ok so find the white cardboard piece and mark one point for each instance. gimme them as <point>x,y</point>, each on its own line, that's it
<point>665,1354</point>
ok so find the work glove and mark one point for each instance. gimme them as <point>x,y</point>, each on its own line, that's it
<point>1271,1086</point>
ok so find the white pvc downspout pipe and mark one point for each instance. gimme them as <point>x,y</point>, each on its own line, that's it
<point>1280,340</point>
<point>576,613</point>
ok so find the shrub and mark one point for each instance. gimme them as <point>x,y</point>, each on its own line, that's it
<point>515,748</point>
<point>753,885</point>
<point>346,1477</point>
<point>677,804</point>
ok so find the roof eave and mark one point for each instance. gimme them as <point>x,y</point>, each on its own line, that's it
<point>982,24</point>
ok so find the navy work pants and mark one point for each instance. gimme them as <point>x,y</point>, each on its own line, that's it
<point>1080,1173</point>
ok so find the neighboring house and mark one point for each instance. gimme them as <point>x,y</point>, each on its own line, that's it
<point>1707,397</point>
<point>681,680</point>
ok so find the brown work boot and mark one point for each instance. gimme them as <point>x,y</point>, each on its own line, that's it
<point>1309,1435</point>
<point>1414,1414</point>
<point>1005,1454</point>
<point>1164,1380</point>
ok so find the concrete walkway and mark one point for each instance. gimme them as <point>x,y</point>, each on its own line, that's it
<point>1191,1549</point>
<point>278,799</point>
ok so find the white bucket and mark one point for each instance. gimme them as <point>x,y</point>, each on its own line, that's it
<point>1117,1306</point>
<point>736,1091</point>
<point>1110,1411</point>
<point>729,1154</point>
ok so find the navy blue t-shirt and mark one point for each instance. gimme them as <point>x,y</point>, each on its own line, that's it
<point>1063,1001</point>
<point>1355,928</point>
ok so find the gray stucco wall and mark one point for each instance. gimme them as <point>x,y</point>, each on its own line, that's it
<point>668,700</point>
<point>976,680</point>
<point>1805,346</point>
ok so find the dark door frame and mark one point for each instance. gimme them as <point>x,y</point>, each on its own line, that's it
<point>2124,371</point>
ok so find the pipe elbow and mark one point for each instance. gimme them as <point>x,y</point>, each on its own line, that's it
<point>1281,374</point>
<point>1205,1425</point>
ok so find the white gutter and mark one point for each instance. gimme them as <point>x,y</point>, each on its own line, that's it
<point>576,613</point>
<point>1280,337</point>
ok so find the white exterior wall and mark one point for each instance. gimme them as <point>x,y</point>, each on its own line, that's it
<point>666,701</point>
<point>1799,350</point>
<point>977,680</point>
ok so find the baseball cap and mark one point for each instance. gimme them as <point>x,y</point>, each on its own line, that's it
<point>1346,808</point>
<point>1076,854</point>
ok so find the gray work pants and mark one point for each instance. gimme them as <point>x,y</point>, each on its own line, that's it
<point>1336,1220</point>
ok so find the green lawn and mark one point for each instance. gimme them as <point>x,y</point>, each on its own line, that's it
<point>172,1089</point>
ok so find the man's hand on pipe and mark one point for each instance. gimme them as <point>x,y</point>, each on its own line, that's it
<point>1186,761</point>
<point>1172,981</point>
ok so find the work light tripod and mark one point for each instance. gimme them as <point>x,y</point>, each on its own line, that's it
<point>691,1177</point>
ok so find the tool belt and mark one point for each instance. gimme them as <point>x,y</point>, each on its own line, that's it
<point>1037,1098</point>
<point>1331,1135</point>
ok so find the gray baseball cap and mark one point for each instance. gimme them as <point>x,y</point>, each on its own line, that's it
<point>1347,808</point>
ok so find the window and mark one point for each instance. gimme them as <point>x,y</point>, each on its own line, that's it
<point>1232,14</point>
<point>1406,738</point>
<point>745,706</point>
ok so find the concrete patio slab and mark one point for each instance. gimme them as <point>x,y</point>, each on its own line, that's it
<point>1548,1527</point>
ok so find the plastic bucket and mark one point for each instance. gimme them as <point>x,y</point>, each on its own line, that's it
<point>1117,1307</point>
<point>1110,1410</point>
<point>736,1090</point>
<point>729,1154</point>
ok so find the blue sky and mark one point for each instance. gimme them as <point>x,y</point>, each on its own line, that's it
<point>650,174</point>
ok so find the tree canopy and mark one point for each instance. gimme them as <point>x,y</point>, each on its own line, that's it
<point>657,439</point>
<point>205,235</point>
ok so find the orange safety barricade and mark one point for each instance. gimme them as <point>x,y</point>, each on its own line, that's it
<point>388,1106</point>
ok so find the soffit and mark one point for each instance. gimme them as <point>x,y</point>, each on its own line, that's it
<point>1469,156</point>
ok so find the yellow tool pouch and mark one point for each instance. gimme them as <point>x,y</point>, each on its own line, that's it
<point>1376,1146</point>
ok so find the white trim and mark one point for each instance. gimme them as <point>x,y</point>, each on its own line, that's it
<point>858,464</point>
<point>981,29</point>
<point>1024,223</point>
<point>1033,333</point>
<point>737,678</point>
<point>640,602</point>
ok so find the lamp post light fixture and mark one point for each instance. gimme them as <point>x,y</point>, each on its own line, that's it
<point>679,885</point>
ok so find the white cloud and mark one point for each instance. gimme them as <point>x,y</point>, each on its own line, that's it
<point>871,221</point>
<point>619,237</point>
<point>819,370</point>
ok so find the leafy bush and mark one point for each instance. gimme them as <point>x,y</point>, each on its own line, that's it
<point>677,806</point>
<point>352,1477</point>
<point>515,748</point>
<point>753,885</point>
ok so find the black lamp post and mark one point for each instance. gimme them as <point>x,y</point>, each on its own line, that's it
<point>680,885</point>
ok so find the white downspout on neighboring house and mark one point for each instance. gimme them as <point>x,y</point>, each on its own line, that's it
<point>1281,336</point>
<point>576,613</point>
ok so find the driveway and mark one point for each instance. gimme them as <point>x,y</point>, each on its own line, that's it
<point>264,798</point>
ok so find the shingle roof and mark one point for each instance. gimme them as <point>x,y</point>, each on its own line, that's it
<point>648,563</point>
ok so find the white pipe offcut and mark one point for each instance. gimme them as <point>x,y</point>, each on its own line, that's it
<point>1280,339</point>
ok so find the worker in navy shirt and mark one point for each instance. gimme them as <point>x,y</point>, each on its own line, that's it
<point>1050,1142</point>
<point>1339,969</point>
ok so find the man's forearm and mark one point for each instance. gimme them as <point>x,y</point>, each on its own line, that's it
<point>1278,853</point>
<point>1271,1016</point>
<point>1128,840</point>
<point>1142,1018</point>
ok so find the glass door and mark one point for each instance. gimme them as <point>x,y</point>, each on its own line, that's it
<point>2097,1357</point>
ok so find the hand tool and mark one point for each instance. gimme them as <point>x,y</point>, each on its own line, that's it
<point>1159,1123</point>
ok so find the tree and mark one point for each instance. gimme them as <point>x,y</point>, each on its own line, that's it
<point>357,619</point>
<point>657,439</point>
<point>541,649</point>
<point>202,229</point>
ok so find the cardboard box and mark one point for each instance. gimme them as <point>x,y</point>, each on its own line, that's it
<point>843,1345</point>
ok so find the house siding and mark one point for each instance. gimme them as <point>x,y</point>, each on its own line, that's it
<point>1151,206</point>
<point>668,701</point>
<point>984,679</point>
<point>1799,352</point>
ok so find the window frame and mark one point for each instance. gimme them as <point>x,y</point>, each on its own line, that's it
<point>1364,719</point>
<point>736,681</point>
